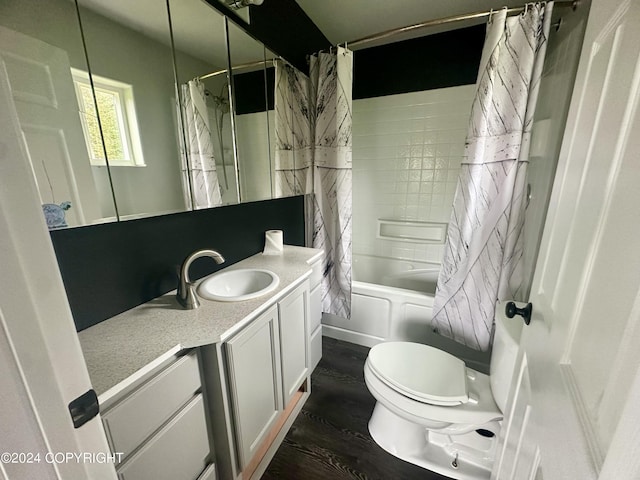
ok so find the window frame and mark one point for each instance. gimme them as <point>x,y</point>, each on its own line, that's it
<point>125,113</point>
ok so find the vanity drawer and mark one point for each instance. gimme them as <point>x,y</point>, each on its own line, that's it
<point>179,451</point>
<point>136,417</point>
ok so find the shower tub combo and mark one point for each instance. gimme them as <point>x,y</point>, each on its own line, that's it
<point>392,300</point>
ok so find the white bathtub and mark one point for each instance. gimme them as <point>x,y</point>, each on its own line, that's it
<point>419,277</point>
<point>393,300</point>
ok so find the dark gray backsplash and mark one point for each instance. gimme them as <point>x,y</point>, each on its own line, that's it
<point>110,268</point>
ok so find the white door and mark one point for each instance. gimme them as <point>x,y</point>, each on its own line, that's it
<point>40,80</point>
<point>42,368</point>
<point>574,410</point>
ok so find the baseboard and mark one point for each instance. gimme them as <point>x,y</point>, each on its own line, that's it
<point>350,336</point>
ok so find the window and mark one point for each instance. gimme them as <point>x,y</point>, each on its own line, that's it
<point>117,117</point>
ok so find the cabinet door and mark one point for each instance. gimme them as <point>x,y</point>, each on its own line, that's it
<point>294,340</point>
<point>254,379</point>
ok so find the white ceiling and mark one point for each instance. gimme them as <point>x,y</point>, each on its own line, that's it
<point>346,20</point>
<point>198,29</point>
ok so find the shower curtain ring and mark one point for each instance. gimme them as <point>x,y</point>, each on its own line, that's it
<point>490,15</point>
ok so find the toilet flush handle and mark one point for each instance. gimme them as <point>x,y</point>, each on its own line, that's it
<point>511,310</point>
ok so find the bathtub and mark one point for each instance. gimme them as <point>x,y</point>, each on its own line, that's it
<point>392,300</point>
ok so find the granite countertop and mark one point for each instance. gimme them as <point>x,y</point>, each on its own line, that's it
<point>123,348</point>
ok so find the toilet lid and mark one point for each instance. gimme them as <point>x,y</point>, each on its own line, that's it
<point>421,372</point>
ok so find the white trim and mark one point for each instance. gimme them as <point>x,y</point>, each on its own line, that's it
<point>586,421</point>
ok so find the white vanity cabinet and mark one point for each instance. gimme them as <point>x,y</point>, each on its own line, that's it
<point>257,381</point>
<point>159,425</point>
<point>214,392</point>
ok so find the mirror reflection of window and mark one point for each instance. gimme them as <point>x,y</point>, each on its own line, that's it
<point>128,45</point>
<point>116,106</point>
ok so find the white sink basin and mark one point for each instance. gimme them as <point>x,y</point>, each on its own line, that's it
<point>238,285</point>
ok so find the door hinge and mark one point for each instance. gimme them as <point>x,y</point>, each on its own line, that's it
<point>84,408</point>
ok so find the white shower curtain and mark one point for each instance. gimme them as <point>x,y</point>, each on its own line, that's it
<point>483,253</point>
<point>331,78</point>
<point>321,108</point>
<point>200,184</point>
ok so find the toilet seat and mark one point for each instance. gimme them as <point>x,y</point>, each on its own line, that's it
<point>420,372</point>
<point>472,412</point>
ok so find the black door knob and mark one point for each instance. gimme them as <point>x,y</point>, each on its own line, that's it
<point>511,310</point>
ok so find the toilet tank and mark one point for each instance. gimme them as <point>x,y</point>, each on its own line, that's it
<point>504,354</point>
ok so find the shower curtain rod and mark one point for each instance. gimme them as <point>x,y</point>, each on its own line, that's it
<point>243,66</point>
<point>390,33</point>
<point>447,20</point>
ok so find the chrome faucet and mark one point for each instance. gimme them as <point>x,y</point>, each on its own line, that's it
<point>186,293</point>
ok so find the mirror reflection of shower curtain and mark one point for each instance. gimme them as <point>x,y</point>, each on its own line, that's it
<point>313,155</point>
<point>200,184</point>
<point>294,120</point>
<point>484,248</point>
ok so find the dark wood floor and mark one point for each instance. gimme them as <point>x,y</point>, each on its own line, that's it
<point>330,438</point>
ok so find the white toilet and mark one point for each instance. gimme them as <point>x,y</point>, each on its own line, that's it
<point>435,412</point>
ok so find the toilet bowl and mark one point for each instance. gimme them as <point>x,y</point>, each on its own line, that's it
<point>434,411</point>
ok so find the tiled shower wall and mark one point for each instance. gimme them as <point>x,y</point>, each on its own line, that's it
<point>407,151</point>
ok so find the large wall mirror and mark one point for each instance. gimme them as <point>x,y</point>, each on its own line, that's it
<point>127,108</point>
<point>253,95</point>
